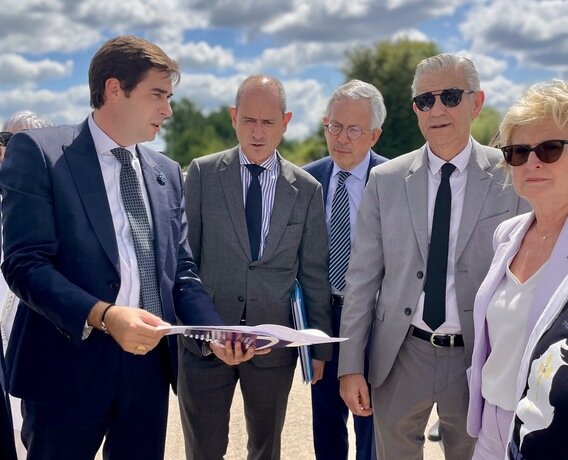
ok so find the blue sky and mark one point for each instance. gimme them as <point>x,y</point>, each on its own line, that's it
<point>46,46</point>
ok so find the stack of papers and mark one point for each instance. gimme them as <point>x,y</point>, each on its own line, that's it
<point>262,336</point>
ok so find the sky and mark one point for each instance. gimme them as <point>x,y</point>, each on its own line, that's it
<point>46,46</point>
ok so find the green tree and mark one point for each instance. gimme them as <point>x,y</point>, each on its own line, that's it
<point>390,67</point>
<point>190,134</point>
<point>485,125</point>
<point>306,150</point>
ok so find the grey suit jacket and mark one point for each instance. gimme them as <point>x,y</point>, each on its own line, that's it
<point>390,252</point>
<point>296,247</point>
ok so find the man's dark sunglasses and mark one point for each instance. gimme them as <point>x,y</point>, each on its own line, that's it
<point>547,152</point>
<point>4,138</point>
<point>449,97</point>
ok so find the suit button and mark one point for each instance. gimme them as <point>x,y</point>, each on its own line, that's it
<point>251,267</point>
<point>408,311</point>
<point>420,275</point>
<point>114,286</point>
<point>241,298</point>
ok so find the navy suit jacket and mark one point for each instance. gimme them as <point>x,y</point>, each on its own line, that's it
<point>321,169</point>
<point>61,257</point>
<point>7,446</point>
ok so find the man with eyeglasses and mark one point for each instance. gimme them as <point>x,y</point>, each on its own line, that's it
<point>422,248</point>
<point>354,117</point>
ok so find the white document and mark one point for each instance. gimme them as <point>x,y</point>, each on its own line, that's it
<point>262,336</point>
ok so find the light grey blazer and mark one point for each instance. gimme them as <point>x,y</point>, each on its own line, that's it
<point>296,247</point>
<point>388,261</point>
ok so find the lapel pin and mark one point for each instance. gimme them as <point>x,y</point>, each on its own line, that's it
<point>161,179</point>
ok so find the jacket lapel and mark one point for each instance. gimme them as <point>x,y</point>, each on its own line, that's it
<point>87,175</point>
<point>231,184</point>
<point>554,272</point>
<point>478,183</point>
<point>417,196</point>
<point>155,181</point>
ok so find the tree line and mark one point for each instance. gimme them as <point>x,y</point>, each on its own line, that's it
<point>390,66</point>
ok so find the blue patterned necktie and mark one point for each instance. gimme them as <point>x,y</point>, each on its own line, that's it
<point>434,313</point>
<point>131,192</point>
<point>253,209</point>
<point>340,241</point>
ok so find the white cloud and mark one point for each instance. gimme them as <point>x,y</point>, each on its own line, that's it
<point>535,33</point>
<point>201,55</point>
<point>306,99</point>
<point>500,92</point>
<point>64,107</point>
<point>17,70</point>
<point>296,57</point>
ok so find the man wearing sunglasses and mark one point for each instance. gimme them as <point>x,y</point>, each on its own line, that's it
<point>421,249</point>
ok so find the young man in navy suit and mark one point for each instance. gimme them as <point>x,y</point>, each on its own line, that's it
<point>353,121</point>
<point>95,240</point>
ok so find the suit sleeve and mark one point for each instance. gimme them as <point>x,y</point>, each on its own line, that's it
<point>313,271</point>
<point>363,281</point>
<point>31,240</point>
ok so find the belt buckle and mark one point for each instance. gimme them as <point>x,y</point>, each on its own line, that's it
<point>434,335</point>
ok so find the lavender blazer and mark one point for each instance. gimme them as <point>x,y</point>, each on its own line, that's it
<point>506,242</point>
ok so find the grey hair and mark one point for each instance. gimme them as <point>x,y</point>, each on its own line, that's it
<point>442,62</point>
<point>357,89</point>
<point>21,121</point>
<point>262,80</point>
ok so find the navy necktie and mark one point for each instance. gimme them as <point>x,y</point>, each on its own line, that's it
<point>436,270</point>
<point>253,209</point>
<point>339,234</point>
<point>131,193</point>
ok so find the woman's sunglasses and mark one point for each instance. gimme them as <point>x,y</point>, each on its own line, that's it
<point>449,97</point>
<point>547,152</point>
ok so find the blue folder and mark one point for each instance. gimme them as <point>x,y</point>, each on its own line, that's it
<point>301,322</point>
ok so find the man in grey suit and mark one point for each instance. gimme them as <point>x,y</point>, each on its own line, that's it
<point>421,250</point>
<point>256,223</point>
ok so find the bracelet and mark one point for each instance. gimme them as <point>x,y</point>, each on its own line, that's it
<point>103,324</point>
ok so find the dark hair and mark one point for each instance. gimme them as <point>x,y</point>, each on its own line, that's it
<point>128,59</point>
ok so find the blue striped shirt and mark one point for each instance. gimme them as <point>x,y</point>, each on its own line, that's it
<point>267,181</point>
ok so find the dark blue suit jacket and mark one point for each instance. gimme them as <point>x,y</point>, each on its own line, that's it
<point>61,257</point>
<point>7,446</point>
<point>321,169</point>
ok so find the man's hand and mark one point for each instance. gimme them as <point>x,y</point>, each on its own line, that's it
<point>354,391</point>
<point>134,329</point>
<point>318,367</point>
<point>234,353</point>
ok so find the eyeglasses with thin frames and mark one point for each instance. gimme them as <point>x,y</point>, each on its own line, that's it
<point>450,98</point>
<point>353,132</point>
<point>547,152</point>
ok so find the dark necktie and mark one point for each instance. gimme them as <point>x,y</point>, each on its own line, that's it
<point>340,241</point>
<point>436,270</point>
<point>131,192</point>
<point>253,209</point>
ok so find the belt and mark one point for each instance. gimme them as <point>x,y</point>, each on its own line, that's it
<point>439,340</point>
<point>336,300</point>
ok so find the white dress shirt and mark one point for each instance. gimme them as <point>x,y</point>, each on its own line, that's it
<point>355,185</point>
<point>458,181</point>
<point>129,292</point>
<point>267,181</point>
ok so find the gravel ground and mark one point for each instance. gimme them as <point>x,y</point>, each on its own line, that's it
<point>296,438</point>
